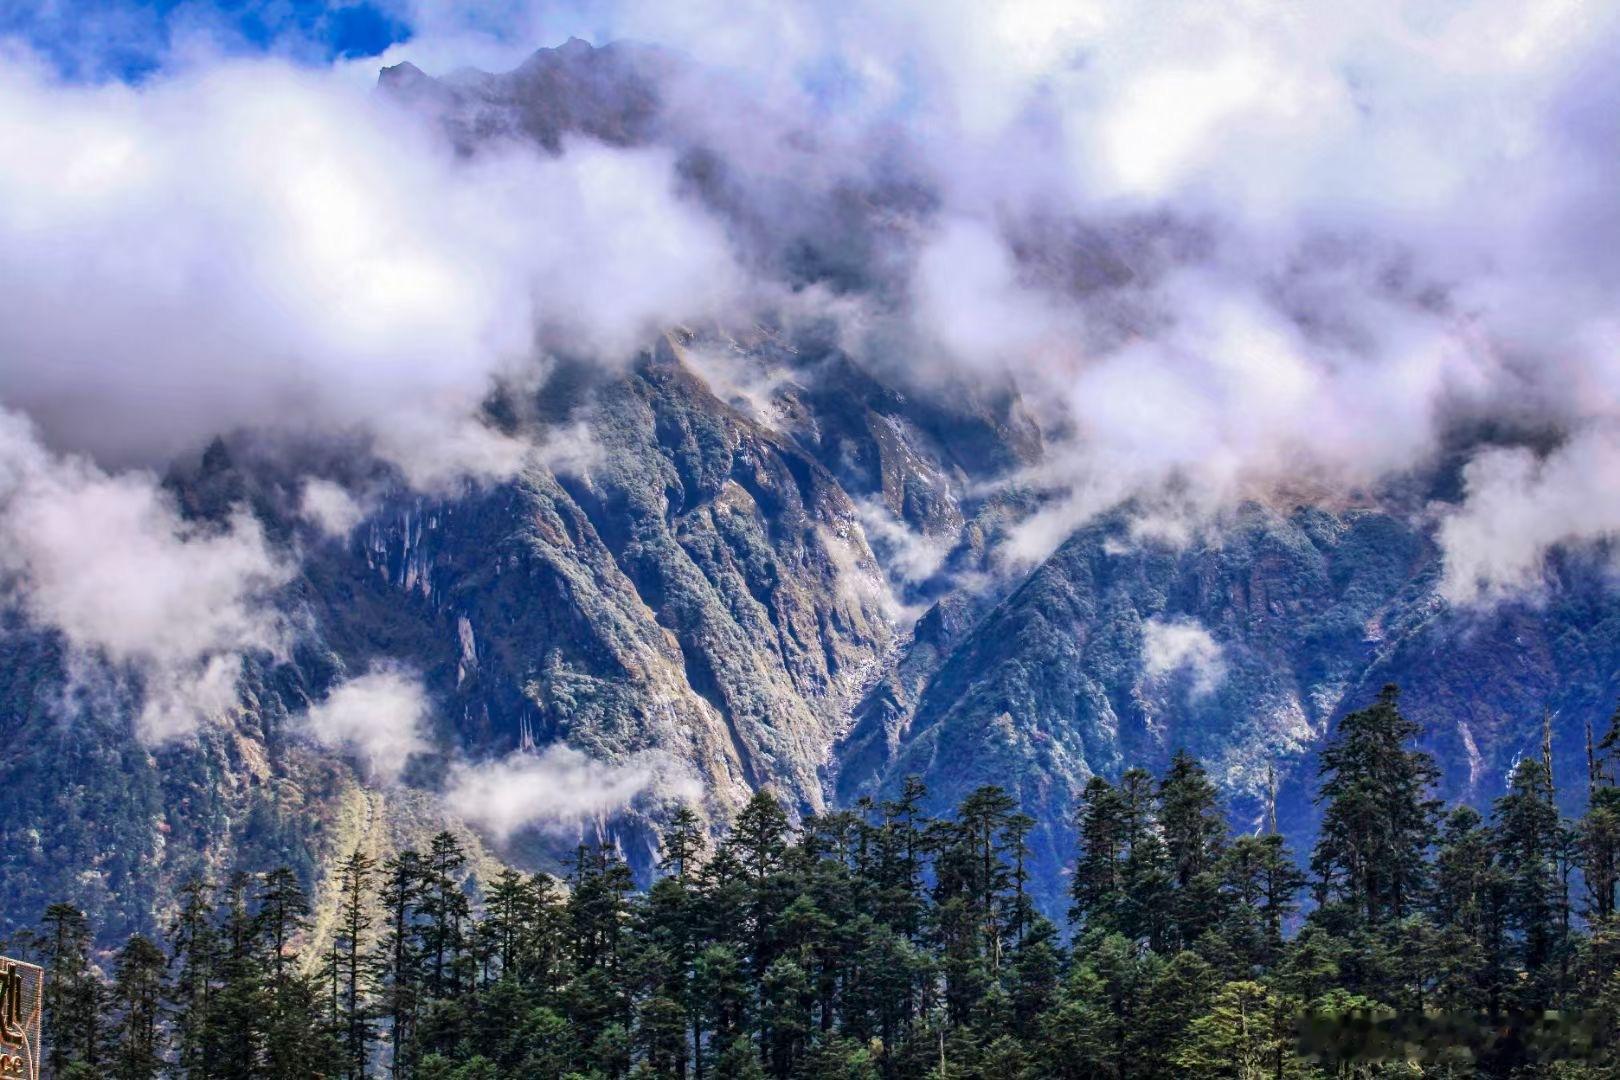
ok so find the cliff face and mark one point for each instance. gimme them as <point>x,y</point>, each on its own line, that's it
<point>767,567</point>
<point>667,574</point>
<point>1244,648</point>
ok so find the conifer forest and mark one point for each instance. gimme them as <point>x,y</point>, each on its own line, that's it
<point>1412,940</point>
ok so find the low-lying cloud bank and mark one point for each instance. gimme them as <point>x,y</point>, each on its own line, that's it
<point>381,718</point>
<point>557,788</point>
<point>1173,645</point>
<point>1520,506</point>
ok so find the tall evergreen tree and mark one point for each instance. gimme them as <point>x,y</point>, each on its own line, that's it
<point>1378,816</point>
<point>1097,890</point>
<point>1194,836</point>
<point>1528,844</point>
<point>296,1041</point>
<point>1470,909</point>
<point>872,942</point>
<point>1146,876</point>
<point>399,960</point>
<point>241,1000</point>
<point>350,972</point>
<point>194,958</point>
<point>445,909</point>
<point>72,997</point>
<point>136,1002</point>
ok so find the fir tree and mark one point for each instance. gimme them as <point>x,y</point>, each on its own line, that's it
<point>296,1041</point>
<point>400,954</point>
<point>73,997</point>
<point>1098,887</point>
<point>350,972</point>
<point>1470,909</point>
<point>1194,837</point>
<point>136,1002</point>
<point>873,942</point>
<point>1528,840</point>
<point>194,955</point>
<point>1378,819</point>
<point>241,1000</point>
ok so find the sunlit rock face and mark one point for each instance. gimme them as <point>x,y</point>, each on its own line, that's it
<point>759,566</point>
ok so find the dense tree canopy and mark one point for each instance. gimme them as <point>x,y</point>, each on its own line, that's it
<point>878,943</point>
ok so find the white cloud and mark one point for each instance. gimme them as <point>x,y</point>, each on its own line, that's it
<point>246,243</point>
<point>108,561</point>
<point>907,556</point>
<point>380,717</point>
<point>556,788</point>
<point>1518,506</point>
<point>329,507</point>
<point>1182,645</point>
<point>1338,231</point>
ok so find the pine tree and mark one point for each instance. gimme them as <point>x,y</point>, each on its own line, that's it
<point>723,993</point>
<point>399,959</point>
<point>598,914</point>
<point>1470,910</point>
<point>72,997</point>
<point>1194,838</point>
<point>283,913</point>
<point>137,1008</point>
<point>1598,851</point>
<point>899,860</point>
<point>1098,888</point>
<point>1378,820</point>
<point>872,943</point>
<point>194,957</point>
<point>1021,913</point>
<point>1145,874</point>
<point>1528,837</point>
<point>445,908</point>
<point>296,1042</point>
<point>759,844</point>
<point>982,820</point>
<point>1178,990</point>
<point>1260,885</point>
<point>1246,1035</point>
<point>241,1000</point>
<point>350,974</point>
<point>683,845</point>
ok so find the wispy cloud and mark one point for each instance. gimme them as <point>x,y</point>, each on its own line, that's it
<point>557,788</point>
<point>1172,645</point>
<point>108,561</point>
<point>380,717</point>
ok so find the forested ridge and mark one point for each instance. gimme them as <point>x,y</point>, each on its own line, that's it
<point>1413,940</point>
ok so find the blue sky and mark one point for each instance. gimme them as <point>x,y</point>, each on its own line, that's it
<point>94,40</point>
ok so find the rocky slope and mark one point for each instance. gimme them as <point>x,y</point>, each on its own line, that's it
<point>682,580</point>
<point>729,580</point>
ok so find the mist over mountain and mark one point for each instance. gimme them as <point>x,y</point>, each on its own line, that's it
<point>804,399</point>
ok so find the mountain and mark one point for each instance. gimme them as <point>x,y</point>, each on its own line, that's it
<point>748,558</point>
<point>1306,613</point>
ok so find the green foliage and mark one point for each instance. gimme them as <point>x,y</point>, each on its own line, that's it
<point>876,944</point>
